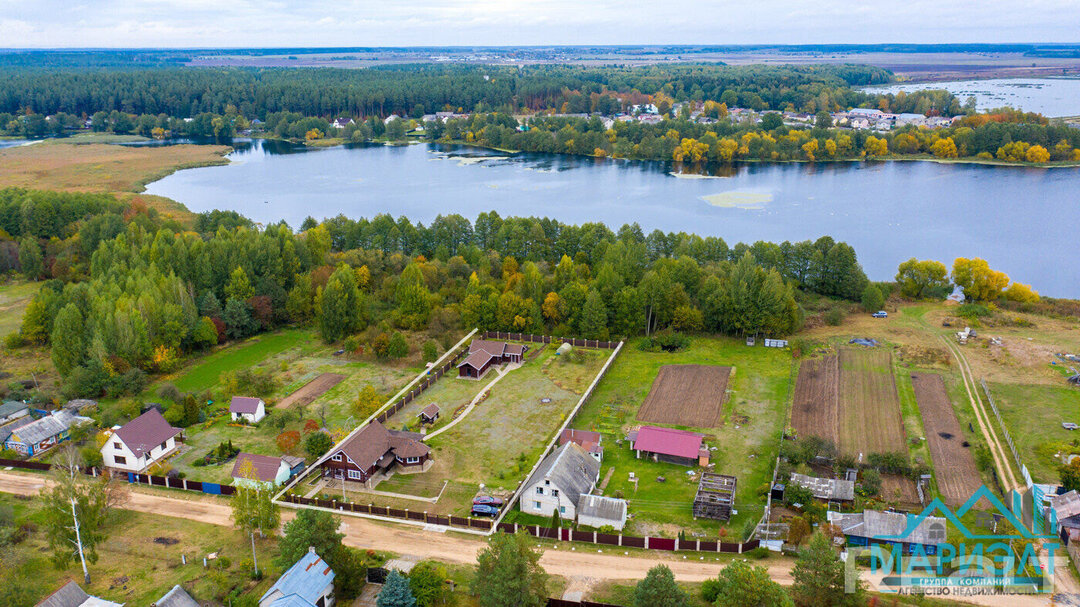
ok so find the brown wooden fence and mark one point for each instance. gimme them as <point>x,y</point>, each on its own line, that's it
<point>134,478</point>
<point>433,376</point>
<point>547,339</point>
<point>553,602</point>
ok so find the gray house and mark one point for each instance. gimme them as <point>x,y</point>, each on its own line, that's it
<point>562,478</point>
<point>599,511</point>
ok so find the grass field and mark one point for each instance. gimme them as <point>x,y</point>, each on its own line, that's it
<point>134,569</point>
<point>869,419</point>
<point>99,167</point>
<point>14,298</point>
<point>1033,414</point>
<point>747,439</point>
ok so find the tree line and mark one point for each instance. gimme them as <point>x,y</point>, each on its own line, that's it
<point>153,292</point>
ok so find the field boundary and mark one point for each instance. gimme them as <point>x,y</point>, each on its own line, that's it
<point>1004,429</point>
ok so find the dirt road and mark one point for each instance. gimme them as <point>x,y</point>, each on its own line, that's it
<point>361,533</point>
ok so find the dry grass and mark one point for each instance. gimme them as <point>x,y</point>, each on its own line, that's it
<point>99,167</point>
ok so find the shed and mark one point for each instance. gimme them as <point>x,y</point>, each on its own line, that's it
<point>715,496</point>
<point>668,445</point>
<point>599,511</point>
<point>828,489</point>
<point>250,409</point>
<point>430,414</point>
<point>12,410</point>
<point>176,597</point>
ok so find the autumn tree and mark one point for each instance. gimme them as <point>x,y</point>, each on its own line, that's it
<point>919,279</point>
<point>944,148</point>
<point>1021,293</point>
<point>978,281</point>
<point>253,508</point>
<point>288,441</point>
<point>367,401</point>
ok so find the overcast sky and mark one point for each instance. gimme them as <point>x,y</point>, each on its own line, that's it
<point>262,23</point>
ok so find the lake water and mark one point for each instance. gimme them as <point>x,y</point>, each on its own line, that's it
<point>1048,96</point>
<point>1022,220</point>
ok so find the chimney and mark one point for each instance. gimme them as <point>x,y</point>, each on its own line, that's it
<point>311,549</point>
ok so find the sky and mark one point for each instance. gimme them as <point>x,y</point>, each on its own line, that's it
<point>265,23</point>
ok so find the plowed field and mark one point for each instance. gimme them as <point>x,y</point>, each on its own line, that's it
<point>686,395</point>
<point>954,465</point>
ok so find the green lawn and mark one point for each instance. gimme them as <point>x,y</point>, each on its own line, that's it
<point>134,569</point>
<point>13,300</point>
<point>1033,415</point>
<point>204,373</point>
<point>747,440</point>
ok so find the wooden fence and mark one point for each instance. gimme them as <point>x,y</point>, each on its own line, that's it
<point>433,376</point>
<point>547,339</point>
<point>553,602</point>
<point>134,478</point>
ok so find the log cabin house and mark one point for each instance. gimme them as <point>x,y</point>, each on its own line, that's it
<point>376,449</point>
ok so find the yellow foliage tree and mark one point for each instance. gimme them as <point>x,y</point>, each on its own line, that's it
<point>977,280</point>
<point>725,150</point>
<point>550,308</point>
<point>944,148</point>
<point>830,147</point>
<point>1037,153</point>
<point>164,358</point>
<point>809,148</point>
<point>1021,293</point>
<point>313,134</point>
<point>875,146</point>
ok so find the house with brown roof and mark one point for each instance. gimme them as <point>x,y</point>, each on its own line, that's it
<point>140,443</point>
<point>484,354</point>
<point>247,409</point>
<point>430,414</point>
<point>586,439</point>
<point>250,468</point>
<point>374,449</point>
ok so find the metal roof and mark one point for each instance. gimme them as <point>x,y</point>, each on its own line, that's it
<point>890,526</point>
<point>668,441</point>
<point>44,428</point>
<point>12,406</point>
<point>244,404</point>
<point>146,432</point>
<point>826,488</point>
<point>306,579</point>
<point>607,508</point>
<point>570,469</point>
<point>176,597</point>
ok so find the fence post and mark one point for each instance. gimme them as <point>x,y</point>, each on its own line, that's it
<point>620,539</point>
<point>677,544</point>
<point>646,542</point>
<point>406,514</point>
<point>594,537</point>
<point>740,547</point>
<point>184,481</point>
<point>697,545</point>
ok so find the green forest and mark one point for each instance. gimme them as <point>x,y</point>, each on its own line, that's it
<point>151,292</point>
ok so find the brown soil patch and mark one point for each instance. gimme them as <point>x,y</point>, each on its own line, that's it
<point>956,473</point>
<point>311,390</point>
<point>870,419</point>
<point>686,395</point>
<point>99,167</point>
<point>815,410</point>
<point>900,489</point>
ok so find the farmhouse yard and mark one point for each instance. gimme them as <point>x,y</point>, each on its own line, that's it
<point>686,395</point>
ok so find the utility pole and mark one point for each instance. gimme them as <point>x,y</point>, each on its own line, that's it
<point>78,541</point>
<point>254,557</point>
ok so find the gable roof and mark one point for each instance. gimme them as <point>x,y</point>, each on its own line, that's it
<point>430,411</point>
<point>44,428</point>
<point>825,488</point>
<point>244,404</point>
<point>176,597</point>
<point>589,440</point>
<point>477,359</point>
<point>265,467</point>
<point>1066,505</point>
<point>607,508</point>
<point>146,432</point>
<point>71,595</point>
<point>306,579</point>
<point>374,441</point>
<point>6,430</point>
<point>12,406</point>
<point>889,525</point>
<point>570,469</point>
<point>668,441</point>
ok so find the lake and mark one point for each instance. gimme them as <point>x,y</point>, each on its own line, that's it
<point>1022,220</point>
<point>1051,97</point>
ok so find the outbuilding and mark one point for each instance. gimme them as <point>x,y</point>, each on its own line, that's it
<point>669,445</point>
<point>600,511</point>
<point>248,409</point>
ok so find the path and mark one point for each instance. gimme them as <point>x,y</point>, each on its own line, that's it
<point>601,563</point>
<point>476,399</point>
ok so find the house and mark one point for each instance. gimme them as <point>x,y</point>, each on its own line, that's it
<point>715,496</point>
<point>430,414</point>
<point>586,439</point>
<point>249,409</point>
<point>375,449</point>
<point>1063,515</point>
<point>890,529</point>
<point>72,595</point>
<point>599,511</point>
<point>559,482</point>
<point>42,434</point>
<point>341,123</point>
<point>669,445</point>
<point>484,354</point>
<point>140,443</point>
<point>828,489</point>
<point>12,410</point>
<point>176,597</point>
<point>308,583</point>
<point>77,405</point>
<point>7,429</point>
<point>264,469</point>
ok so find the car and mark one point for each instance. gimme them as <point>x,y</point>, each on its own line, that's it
<point>880,314</point>
<point>1070,426</point>
<point>487,501</point>
<point>484,510</point>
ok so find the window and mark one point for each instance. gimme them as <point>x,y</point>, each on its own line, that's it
<point>536,505</point>
<point>119,459</point>
<point>554,493</point>
<point>116,445</point>
<point>354,474</point>
<point>539,490</point>
<point>547,482</point>
<point>163,445</point>
<point>412,460</point>
<point>562,509</point>
<point>337,458</point>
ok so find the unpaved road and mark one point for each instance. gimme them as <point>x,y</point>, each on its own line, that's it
<point>449,548</point>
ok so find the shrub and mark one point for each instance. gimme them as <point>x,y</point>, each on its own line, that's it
<point>14,340</point>
<point>170,392</point>
<point>666,341</point>
<point>834,317</point>
<point>871,482</point>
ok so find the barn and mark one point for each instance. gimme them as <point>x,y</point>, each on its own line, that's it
<point>484,354</point>
<point>669,445</point>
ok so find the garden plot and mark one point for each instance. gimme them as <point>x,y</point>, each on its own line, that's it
<point>815,410</point>
<point>311,390</point>
<point>686,395</point>
<point>956,473</point>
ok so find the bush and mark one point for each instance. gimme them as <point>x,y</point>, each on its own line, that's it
<point>14,340</point>
<point>871,482</point>
<point>129,383</point>
<point>665,341</point>
<point>222,563</point>
<point>170,392</point>
<point>430,351</point>
<point>759,553</point>
<point>834,317</point>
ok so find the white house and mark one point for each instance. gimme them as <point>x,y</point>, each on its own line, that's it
<point>598,511</point>
<point>308,583</point>
<point>247,408</point>
<point>140,442</point>
<point>562,478</point>
<point>263,469</point>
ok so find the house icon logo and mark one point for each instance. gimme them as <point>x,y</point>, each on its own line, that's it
<point>1013,517</point>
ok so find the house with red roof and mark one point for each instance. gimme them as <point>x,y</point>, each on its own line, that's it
<point>669,445</point>
<point>248,409</point>
<point>374,449</point>
<point>586,439</point>
<point>484,354</point>
<point>140,443</point>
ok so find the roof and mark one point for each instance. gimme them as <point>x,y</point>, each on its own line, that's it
<point>306,579</point>
<point>373,441</point>
<point>589,440</point>
<point>146,432</point>
<point>607,508</point>
<point>6,430</point>
<point>668,441</point>
<point>483,350</point>
<point>292,461</point>
<point>265,466</point>
<point>176,597</point>
<point>244,404</point>
<point>826,488</point>
<point>570,469</point>
<point>889,526</point>
<point>80,403</point>
<point>45,428</point>
<point>12,406</point>
<point>71,595</point>
<point>1066,505</point>
<point>430,411</point>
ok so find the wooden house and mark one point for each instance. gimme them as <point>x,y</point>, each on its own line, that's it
<point>374,449</point>
<point>484,354</point>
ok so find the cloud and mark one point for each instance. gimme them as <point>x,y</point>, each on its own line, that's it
<point>187,23</point>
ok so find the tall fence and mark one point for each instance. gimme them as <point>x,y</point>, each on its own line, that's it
<point>135,478</point>
<point>553,602</point>
<point>1004,430</point>
<point>547,339</point>
<point>433,376</point>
